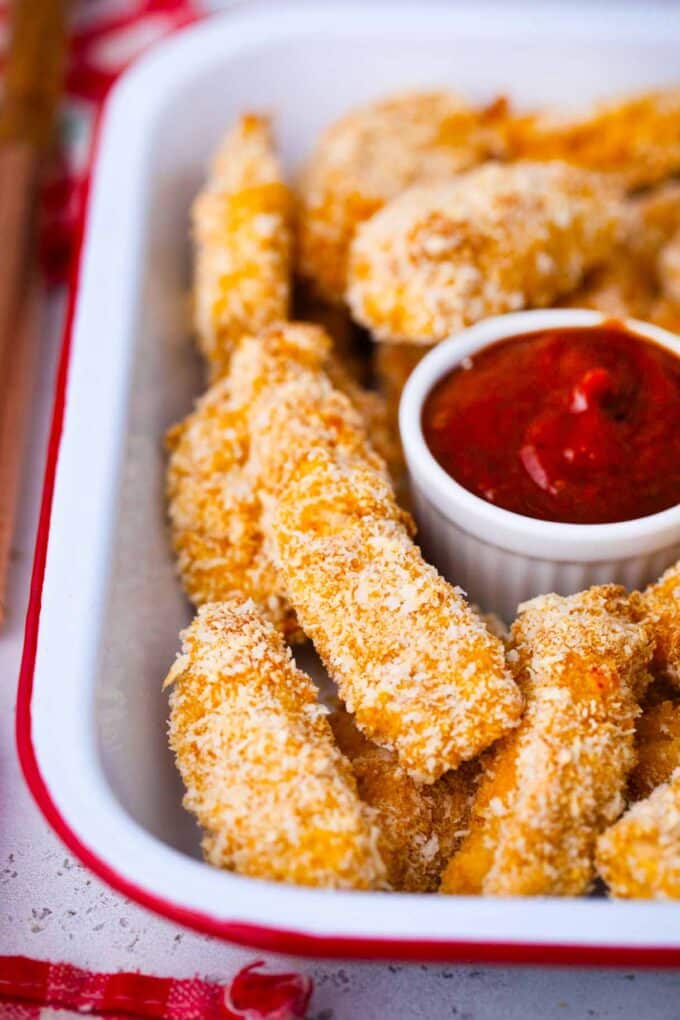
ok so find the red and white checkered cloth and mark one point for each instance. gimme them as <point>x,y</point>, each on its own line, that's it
<point>35,990</point>
<point>107,36</point>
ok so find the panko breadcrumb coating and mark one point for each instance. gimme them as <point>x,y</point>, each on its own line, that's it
<point>657,741</point>
<point>629,283</point>
<point>420,826</point>
<point>214,509</point>
<point>242,224</point>
<point>639,857</point>
<point>371,155</point>
<point>666,314</point>
<point>273,794</point>
<point>637,138</point>
<point>497,239</point>
<point>621,288</point>
<point>661,603</point>
<point>214,505</point>
<point>558,781</point>
<point>669,269</point>
<point>382,433</point>
<point>413,662</point>
<point>652,218</point>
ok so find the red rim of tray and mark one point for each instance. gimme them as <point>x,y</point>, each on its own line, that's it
<point>261,937</point>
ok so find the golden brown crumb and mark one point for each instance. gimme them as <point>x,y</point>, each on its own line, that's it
<point>371,155</point>
<point>652,218</point>
<point>274,796</point>
<point>661,603</point>
<point>621,288</point>
<point>637,138</point>
<point>243,235</point>
<point>349,370</point>
<point>666,314</point>
<point>420,826</point>
<point>657,741</point>
<point>553,785</point>
<point>639,857</point>
<point>416,666</point>
<point>497,239</point>
<point>630,282</point>
<point>214,504</point>
<point>214,508</point>
<point>669,269</point>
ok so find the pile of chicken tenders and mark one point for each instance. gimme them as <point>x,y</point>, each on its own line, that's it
<point>455,756</point>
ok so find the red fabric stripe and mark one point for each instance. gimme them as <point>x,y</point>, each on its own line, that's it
<point>253,995</point>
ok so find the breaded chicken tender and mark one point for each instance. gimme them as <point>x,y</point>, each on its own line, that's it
<point>420,826</point>
<point>214,505</point>
<point>637,138</point>
<point>630,283</point>
<point>550,788</point>
<point>657,741</point>
<point>413,662</point>
<point>621,288</point>
<point>273,794</point>
<point>371,155</point>
<point>497,239</point>
<point>242,224</point>
<point>661,603</point>
<point>214,508</point>
<point>639,856</point>
<point>652,218</point>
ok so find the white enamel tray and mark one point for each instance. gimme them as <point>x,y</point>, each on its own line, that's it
<point>106,608</point>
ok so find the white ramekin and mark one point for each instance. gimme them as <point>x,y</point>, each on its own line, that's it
<point>502,558</point>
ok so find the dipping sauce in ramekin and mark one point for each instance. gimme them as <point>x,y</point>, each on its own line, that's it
<point>575,425</point>
<point>580,439</point>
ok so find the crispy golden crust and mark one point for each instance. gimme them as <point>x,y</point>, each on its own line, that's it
<point>661,603</point>
<point>553,785</point>
<point>666,314</point>
<point>215,512</point>
<point>652,218</point>
<point>372,154</point>
<point>275,797</point>
<point>621,288</point>
<point>420,826</point>
<point>412,661</point>
<point>669,269</point>
<point>242,223</point>
<point>639,857</point>
<point>214,502</point>
<point>637,138</point>
<point>497,239</point>
<point>382,433</point>
<point>657,741</point>
<point>631,281</point>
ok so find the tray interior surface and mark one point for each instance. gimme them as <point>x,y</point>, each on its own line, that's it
<point>305,78</point>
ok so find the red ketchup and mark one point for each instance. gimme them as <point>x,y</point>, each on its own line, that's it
<point>580,426</point>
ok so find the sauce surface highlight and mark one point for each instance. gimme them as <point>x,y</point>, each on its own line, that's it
<point>573,425</point>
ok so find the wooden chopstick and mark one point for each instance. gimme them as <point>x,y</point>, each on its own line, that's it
<point>14,417</point>
<point>33,76</point>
